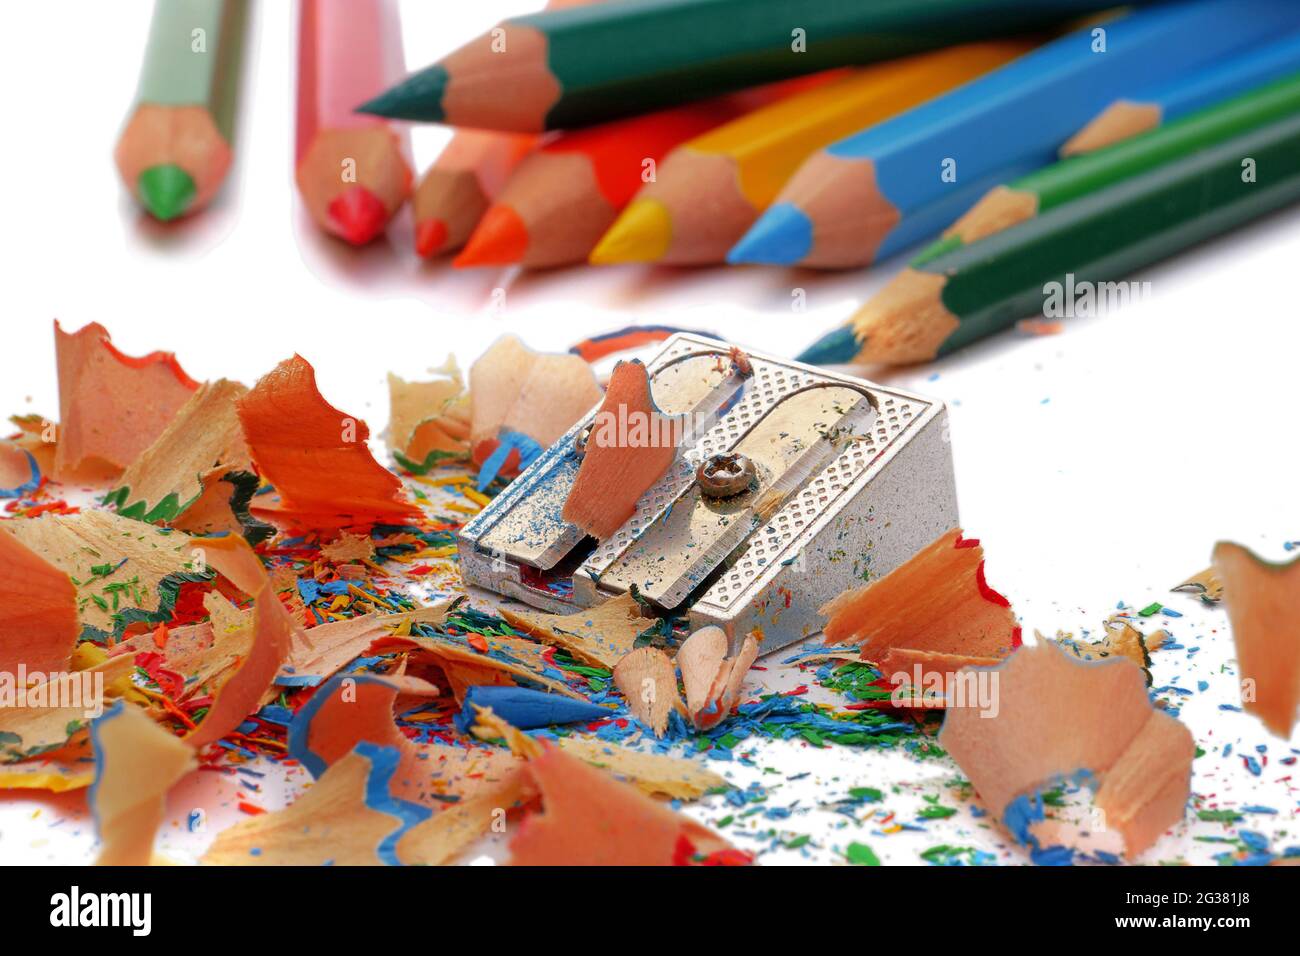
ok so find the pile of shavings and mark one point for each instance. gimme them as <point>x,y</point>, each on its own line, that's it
<point>321,582</point>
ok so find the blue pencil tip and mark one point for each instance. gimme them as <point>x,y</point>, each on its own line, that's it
<point>782,236</point>
<point>835,348</point>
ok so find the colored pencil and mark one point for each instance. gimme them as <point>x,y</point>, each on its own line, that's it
<point>710,190</point>
<point>566,68</point>
<point>905,179</point>
<point>175,150</point>
<point>564,196</point>
<point>460,185</point>
<point>351,169</point>
<point>1186,94</point>
<point>1079,249</point>
<point>1074,177</point>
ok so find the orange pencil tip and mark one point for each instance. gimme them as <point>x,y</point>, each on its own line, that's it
<point>357,215</point>
<point>501,239</point>
<point>430,237</point>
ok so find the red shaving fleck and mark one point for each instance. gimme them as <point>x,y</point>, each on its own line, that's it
<point>728,857</point>
<point>58,507</point>
<point>683,851</point>
<point>478,642</point>
<point>250,809</point>
<point>987,592</point>
<point>151,663</point>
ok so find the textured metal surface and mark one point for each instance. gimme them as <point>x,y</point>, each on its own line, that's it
<point>854,478</point>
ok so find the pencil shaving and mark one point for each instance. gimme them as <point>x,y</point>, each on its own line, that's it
<point>649,684</point>
<point>314,454</point>
<point>111,406</point>
<point>937,607</point>
<point>136,764</point>
<point>711,676</point>
<point>38,610</point>
<point>429,422</point>
<point>625,454</point>
<point>1058,717</point>
<point>601,636</point>
<point>1263,602</point>
<point>516,391</point>
<point>197,475</point>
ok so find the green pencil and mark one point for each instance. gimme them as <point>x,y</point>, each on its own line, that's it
<point>1066,181</point>
<point>574,67</point>
<point>176,148</point>
<point>1076,251</point>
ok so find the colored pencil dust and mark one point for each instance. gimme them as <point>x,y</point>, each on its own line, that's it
<point>350,169</point>
<point>175,151</point>
<point>565,68</point>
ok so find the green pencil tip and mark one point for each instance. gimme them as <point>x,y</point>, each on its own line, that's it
<point>418,97</point>
<point>166,190</point>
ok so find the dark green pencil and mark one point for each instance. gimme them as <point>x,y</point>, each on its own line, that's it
<point>1072,253</point>
<point>574,67</point>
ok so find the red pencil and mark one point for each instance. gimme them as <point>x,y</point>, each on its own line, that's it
<point>350,168</point>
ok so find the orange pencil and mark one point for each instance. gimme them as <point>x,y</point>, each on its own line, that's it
<point>564,196</point>
<point>350,168</point>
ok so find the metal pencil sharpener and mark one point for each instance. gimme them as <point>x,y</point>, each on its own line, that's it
<point>843,482</point>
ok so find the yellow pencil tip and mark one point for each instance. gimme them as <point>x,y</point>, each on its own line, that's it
<point>641,234</point>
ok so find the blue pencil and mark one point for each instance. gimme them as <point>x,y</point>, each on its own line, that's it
<point>1171,99</point>
<point>904,180</point>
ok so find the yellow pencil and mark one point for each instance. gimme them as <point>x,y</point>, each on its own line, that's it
<point>708,191</point>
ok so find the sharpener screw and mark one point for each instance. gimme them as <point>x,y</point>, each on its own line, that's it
<point>725,475</point>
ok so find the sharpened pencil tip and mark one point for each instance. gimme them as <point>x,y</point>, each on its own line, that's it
<point>357,215</point>
<point>838,347</point>
<point>642,234</point>
<point>430,238</point>
<point>166,191</point>
<point>501,239</point>
<point>418,97</point>
<point>783,236</point>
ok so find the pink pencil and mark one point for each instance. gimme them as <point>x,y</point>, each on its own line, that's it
<point>351,169</point>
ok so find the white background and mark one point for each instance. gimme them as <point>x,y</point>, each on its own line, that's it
<point>1098,465</point>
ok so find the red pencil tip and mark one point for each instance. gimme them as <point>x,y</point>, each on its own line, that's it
<point>357,215</point>
<point>430,236</point>
<point>501,239</point>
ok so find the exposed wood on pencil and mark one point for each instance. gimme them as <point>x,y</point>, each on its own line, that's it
<point>1118,121</point>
